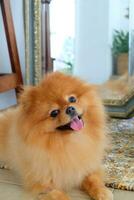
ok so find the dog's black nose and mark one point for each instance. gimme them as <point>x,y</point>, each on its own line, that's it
<point>71,111</point>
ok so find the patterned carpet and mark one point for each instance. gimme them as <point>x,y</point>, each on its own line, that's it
<point>120,160</point>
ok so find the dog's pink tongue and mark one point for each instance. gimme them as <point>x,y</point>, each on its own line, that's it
<point>76,124</point>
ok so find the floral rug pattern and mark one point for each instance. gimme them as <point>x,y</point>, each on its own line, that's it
<point>119,162</point>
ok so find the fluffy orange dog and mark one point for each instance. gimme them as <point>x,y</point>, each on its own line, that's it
<point>55,138</point>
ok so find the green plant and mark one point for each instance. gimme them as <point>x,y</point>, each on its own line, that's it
<point>120,42</point>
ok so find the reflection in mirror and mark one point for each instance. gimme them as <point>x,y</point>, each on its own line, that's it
<point>112,38</point>
<point>103,46</point>
<point>131,29</point>
<point>119,89</point>
<point>119,14</point>
<point>102,53</point>
<point>62,22</point>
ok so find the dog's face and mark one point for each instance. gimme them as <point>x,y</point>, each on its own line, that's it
<point>60,103</point>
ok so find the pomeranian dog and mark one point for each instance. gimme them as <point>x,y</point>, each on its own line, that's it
<point>55,138</point>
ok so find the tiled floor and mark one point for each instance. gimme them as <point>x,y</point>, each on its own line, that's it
<point>10,190</point>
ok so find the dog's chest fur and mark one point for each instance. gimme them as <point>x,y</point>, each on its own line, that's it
<point>66,167</point>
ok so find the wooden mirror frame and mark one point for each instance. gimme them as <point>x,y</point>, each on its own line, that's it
<point>37,48</point>
<point>32,24</point>
<point>121,108</point>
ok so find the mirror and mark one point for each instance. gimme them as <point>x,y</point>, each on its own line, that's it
<point>92,42</point>
<point>62,26</point>
<point>96,44</point>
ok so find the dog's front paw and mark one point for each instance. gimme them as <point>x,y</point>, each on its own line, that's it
<point>53,195</point>
<point>103,194</point>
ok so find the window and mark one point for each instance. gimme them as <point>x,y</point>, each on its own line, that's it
<point>62,26</point>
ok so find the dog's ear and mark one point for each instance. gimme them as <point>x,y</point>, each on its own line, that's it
<point>27,96</point>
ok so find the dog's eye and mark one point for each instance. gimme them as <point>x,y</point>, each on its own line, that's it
<point>54,113</point>
<point>72,99</point>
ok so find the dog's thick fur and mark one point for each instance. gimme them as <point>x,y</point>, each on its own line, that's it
<point>50,161</point>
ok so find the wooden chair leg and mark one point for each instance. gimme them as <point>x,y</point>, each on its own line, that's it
<point>11,40</point>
